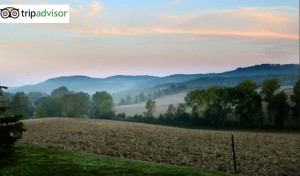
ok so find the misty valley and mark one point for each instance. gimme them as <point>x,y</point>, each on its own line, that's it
<point>258,98</point>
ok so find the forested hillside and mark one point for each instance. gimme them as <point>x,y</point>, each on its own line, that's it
<point>288,74</point>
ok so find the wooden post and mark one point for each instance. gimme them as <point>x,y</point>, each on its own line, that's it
<point>233,153</point>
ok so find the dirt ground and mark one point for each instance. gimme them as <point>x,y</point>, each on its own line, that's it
<point>258,153</point>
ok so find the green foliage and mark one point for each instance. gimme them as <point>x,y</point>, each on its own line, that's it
<point>171,112</point>
<point>150,108</point>
<point>213,103</point>
<point>102,105</point>
<point>33,161</point>
<point>210,107</point>
<point>180,114</point>
<point>3,108</point>
<point>121,116</point>
<point>59,92</point>
<point>295,99</point>
<point>20,104</point>
<point>34,96</point>
<point>180,109</point>
<point>282,109</point>
<point>218,105</point>
<point>269,87</point>
<point>11,129</point>
<point>277,106</point>
<point>63,103</point>
<point>248,104</point>
<point>40,112</point>
<point>195,99</point>
<point>54,107</point>
<point>75,104</point>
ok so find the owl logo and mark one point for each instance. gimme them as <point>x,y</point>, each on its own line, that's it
<point>9,12</point>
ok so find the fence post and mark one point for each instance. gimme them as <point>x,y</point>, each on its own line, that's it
<point>233,153</point>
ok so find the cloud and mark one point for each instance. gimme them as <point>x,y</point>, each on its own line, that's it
<point>219,32</point>
<point>15,45</point>
<point>174,3</point>
<point>170,31</point>
<point>255,22</point>
<point>87,10</point>
<point>95,7</point>
<point>279,22</point>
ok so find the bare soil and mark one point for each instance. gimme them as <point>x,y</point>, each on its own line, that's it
<point>258,153</point>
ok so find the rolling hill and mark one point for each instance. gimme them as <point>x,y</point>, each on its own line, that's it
<point>289,73</point>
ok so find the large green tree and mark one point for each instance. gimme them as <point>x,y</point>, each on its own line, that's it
<point>55,107</point>
<point>248,104</point>
<point>75,104</point>
<point>180,114</point>
<point>268,89</point>
<point>150,108</point>
<point>277,106</point>
<point>20,104</point>
<point>11,128</point>
<point>282,109</point>
<point>59,92</point>
<point>49,107</point>
<point>170,112</point>
<point>213,103</point>
<point>102,105</point>
<point>195,99</point>
<point>295,99</point>
<point>218,104</point>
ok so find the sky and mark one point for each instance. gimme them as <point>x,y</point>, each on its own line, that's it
<point>149,37</point>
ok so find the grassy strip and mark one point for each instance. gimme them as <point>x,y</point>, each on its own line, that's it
<point>41,161</point>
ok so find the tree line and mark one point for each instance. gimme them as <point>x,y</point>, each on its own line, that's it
<point>61,103</point>
<point>211,107</point>
<point>153,93</point>
<point>247,105</point>
<point>245,101</point>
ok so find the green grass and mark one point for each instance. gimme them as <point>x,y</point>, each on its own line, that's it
<point>41,161</point>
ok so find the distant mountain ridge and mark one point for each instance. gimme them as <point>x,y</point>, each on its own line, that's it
<point>118,83</point>
<point>264,69</point>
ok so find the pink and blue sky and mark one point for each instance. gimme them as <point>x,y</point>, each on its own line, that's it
<point>150,37</point>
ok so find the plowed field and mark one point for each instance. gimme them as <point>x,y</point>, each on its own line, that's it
<point>257,153</point>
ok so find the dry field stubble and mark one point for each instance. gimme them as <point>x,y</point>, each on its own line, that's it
<point>257,153</point>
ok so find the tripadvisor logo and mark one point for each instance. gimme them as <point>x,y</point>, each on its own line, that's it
<point>11,12</point>
<point>34,13</point>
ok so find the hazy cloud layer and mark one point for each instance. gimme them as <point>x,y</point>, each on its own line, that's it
<point>271,22</point>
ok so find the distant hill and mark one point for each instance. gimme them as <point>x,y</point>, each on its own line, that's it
<point>288,73</point>
<point>87,84</point>
<point>206,82</point>
<point>264,69</point>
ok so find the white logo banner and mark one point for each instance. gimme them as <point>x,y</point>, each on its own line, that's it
<point>34,13</point>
